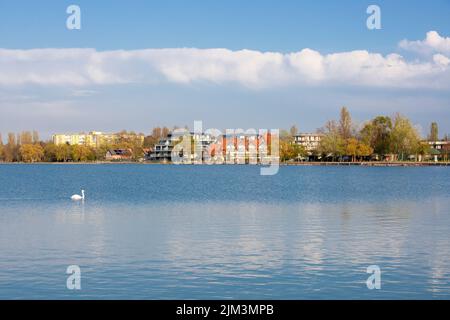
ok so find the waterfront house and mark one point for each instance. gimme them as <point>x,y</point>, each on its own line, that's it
<point>439,149</point>
<point>119,155</point>
<point>162,151</point>
<point>446,151</point>
<point>438,145</point>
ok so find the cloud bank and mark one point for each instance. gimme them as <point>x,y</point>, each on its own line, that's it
<point>249,68</point>
<point>433,43</point>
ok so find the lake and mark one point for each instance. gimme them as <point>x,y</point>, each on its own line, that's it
<point>219,232</point>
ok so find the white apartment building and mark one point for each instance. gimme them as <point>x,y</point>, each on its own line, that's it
<point>310,141</point>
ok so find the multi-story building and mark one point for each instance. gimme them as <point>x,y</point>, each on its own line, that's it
<point>236,148</point>
<point>95,139</point>
<point>439,149</point>
<point>73,139</point>
<point>163,149</point>
<point>241,148</point>
<point>438,145</point>
<point>310,141</point>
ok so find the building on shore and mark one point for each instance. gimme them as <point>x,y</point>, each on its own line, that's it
<point>309,141</point>
<point>162,151</point>
<point>119,155</point>
<point>96,139</point>
<point>242,148</point>
<point>439,149</point>
<point>236,148</point>
<point>438,145</point>
<point>446,151</point>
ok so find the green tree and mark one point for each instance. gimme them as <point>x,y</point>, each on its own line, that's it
<point>82,153</point>
<point>434,132</point>
<point>291,151</point>
<point>377,134</point>
<point>100,151</point>
<point>363,150</point>
<point>63,152</point>
<point>345,124</point>
<point>137,151</point>
<point>351,148</point>
<point>50,150</point>
<point>331,144</point>
<point>404,137</point>
<point>423,148</point>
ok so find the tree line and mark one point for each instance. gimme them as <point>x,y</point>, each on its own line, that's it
<point>27,147</point>
<point>343,139</point>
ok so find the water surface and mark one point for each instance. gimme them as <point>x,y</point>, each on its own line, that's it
<point>202,232</point>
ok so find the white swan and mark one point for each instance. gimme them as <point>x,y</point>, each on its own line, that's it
<point>78,197</point>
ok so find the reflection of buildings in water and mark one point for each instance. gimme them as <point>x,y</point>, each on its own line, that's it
<point>396,235</point>
<point>311,242</point>
<point>439,243</point>
<point>439,274</point>
<point>83,226</point>
<point>205,236</point>
<point>371,231</point>
<point>351,233</point>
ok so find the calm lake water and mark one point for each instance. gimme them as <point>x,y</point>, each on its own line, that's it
<point>206,232</point>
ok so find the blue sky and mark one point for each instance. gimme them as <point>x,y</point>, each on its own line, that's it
<point>282,27</point>
<point>287,25</point>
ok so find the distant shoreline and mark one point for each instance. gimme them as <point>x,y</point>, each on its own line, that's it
<point>344,164</point>
<point>373,164</point>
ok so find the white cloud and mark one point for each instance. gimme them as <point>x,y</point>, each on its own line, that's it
<point>441,59</point>
<point>254,69</point>
<point>433,43</point>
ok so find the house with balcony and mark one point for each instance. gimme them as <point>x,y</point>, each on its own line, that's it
<point>162,151</point>
<point>439,149</point>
